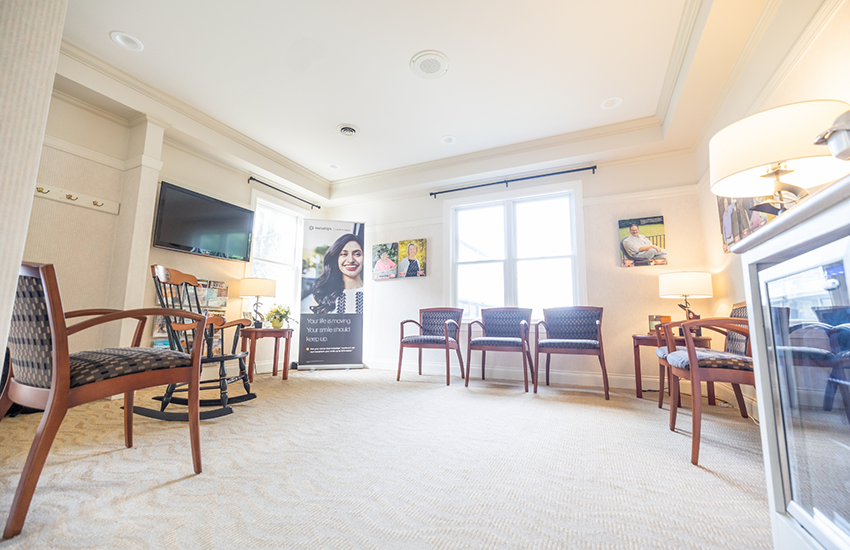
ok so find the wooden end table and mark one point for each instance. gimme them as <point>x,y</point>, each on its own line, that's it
<point>639,340</point>
<point>254,334</point>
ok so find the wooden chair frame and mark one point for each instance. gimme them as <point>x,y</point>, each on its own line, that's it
<point>599,353</point>
<point>524,348</point>
<point>448,346</point>
<point>56,400</point>
<point>697,374</point>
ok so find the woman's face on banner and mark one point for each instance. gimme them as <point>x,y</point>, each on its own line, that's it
<point>351,259</point>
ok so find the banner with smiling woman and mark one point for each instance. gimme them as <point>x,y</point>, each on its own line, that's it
<point>332,295</point>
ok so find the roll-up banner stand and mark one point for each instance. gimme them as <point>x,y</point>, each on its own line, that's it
<point>332,295</point>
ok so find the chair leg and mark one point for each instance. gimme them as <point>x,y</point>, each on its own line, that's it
<point>696,391</point>
<point>711,400</point>
<point>400,353</point>
<point>468,365</point>
<point>533,369</point>
<point>742,405</point>
<point>243,371</point>
<point>129,398</point>
<point>166,398</point>
<point>195,424</point>
<point>548,357</point>
<point>525,370</point>
<point>420,361</point>
<point>5,402</point>
<point>604,373</point>
<point>460,360</point>
<point>674,399</point>
<point>448,366</point>
<point>44,437</point>
<point>483,358</point>
<point>661,370</point>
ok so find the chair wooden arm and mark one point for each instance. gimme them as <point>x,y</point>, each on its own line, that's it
<point>469,329</point>
<point>89,312</point>
<point>666,330</point>
<point>730,324</point>
<point>141,315</point>
<point>456,329</point>
<point>537,326</point>
<point>401,327</point>
<point>235,322</point>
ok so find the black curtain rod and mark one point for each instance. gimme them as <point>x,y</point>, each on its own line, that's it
<point>506,182</point>
<point>279,190</point>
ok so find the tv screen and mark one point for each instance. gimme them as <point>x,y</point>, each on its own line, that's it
<point>191,222</point>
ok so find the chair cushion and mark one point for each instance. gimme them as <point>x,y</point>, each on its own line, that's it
<point>568,344</point>
<point>105,364</point>
<point>661,352</point>
<point>489,341</point>
<point>426,339</point>
<point>711,359</point>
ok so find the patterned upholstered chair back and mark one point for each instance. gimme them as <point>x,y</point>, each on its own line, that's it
<point>572,323</point>
<point>737,343</point>
<point>433,320</point>
<point>504,322</point>
<point>30,338</point>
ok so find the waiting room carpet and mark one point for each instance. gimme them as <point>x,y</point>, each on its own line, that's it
<point>354,459</point>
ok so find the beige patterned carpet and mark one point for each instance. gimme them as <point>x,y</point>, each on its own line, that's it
<point>338,459</point>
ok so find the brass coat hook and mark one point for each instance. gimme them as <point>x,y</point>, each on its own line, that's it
<point>70,197</point>
<point>42,191</point>
<point>98,204</point>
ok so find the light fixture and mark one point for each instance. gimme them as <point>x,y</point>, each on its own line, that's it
<point>837,138</point>
<point>126,41</point>
<point>334,166</point>
<point>748,158</point>
<point>685,284</point>
<point>348,130</point>
<point>255,287</point>
<point>612,103</point>
<point>448,140</point>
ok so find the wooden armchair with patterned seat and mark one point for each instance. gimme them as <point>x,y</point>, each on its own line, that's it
<point>505,329</point>
<point>439,328</point>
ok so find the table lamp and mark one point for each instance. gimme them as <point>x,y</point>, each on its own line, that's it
<point>256,287</point>
<point>748,158</point>
<point>686,284</point>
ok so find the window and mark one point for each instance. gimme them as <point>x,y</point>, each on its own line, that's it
<point>273,252</point>
<point>519,252</point>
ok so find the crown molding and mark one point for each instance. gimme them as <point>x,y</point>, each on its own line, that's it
<point>82,56</point>
<point>821,19</point>
<point>507,150</point>
<point>115,119</point>
<point>684,38</point>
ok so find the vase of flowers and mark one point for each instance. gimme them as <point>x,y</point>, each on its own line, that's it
<point>278,315</point>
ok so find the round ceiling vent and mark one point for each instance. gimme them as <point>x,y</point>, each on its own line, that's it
<point>429,64</point>
<point>348,130</point>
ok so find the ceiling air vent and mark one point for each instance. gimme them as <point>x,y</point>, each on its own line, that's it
<point>429,64</point>
<point>348,130</point>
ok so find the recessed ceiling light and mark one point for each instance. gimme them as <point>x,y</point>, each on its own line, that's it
<point>612,103</point>
<point>126,41</point>
<point>448,140</point>
<point>334,166</point>
<point>429,64</point>
<point>348,130</point>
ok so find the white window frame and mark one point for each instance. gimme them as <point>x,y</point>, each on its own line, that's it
<point>573,189</point>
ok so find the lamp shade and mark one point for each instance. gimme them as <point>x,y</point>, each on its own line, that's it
<point>253,286</point>
<point>741,153</point>
<point>685,284</point>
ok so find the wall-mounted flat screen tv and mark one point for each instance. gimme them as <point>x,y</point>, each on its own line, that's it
<point>197,224</point>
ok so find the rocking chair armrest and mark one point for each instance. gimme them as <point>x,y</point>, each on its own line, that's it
<point>140,314</point>
<point>234,323</point>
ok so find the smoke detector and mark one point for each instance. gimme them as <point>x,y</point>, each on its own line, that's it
<point>429,64</point>
<point>348,130</point>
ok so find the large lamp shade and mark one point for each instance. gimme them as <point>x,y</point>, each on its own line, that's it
<point>254,286</point>
<point>685,285</point>
<point>743,152</point>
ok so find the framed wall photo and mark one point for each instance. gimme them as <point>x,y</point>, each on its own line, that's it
<point>737,221</point>
<point>384,261</point>
<point>413,255</point>
<point>642,242</point>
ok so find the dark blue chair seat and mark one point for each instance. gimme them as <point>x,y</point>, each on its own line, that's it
<point>94,366</point>
<point>711,359</point>
<point>568,344</point>
<point>494,342</point>
<point>427,339</point>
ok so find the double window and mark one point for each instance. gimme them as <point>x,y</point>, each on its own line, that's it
<point>518,252</point>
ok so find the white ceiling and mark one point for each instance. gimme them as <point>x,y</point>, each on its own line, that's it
<point>286,73</point>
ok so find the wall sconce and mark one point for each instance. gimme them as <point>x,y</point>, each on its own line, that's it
<point>748,158</point>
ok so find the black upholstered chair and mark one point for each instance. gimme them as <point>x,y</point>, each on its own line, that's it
<point>178,290</point>
<point>572,331</point>
<point>505,329</point>
<point>439,328</point>
<point>43,375</point>
<point>733,365</point>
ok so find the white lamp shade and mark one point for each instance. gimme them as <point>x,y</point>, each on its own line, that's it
<point>742,152</point>
<point>680,285</point>
<point>252,287</point>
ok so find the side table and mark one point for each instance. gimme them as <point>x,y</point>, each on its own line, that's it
<point>254,334</point>
<point>651,340</point>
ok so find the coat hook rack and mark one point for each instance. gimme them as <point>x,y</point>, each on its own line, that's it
<point>69,197</point>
